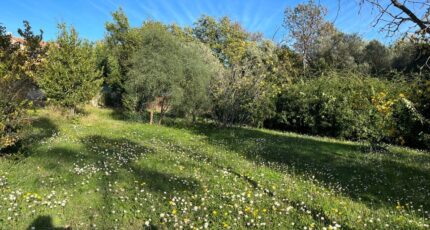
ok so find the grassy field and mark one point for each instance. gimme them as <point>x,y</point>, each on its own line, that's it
<point>101,172</point>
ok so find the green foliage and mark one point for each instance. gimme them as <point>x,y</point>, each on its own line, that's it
<point>18,65</point>
<point>227,39</point>
<point>69,77</point>
<point>156,71</point>
<point>340,105</point>
<point>245,93</point>
<point>305,23</point>
<point>118,47</point>
<point>170,72</point>
<point>201,67</point>
<point>378,57</point>
<point>339,51</point>
<point>109,66</point>
<point>412,115</point>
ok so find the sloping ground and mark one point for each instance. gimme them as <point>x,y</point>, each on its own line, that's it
<point>98,172</point>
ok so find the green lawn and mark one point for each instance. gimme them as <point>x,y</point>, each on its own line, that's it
<point>101,172</point>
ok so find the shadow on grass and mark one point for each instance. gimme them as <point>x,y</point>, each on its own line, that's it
<point>39,130</point>
<point>118,156</point>
<point>377,179</point>
<point>45,223</point>
<point>122,153</point>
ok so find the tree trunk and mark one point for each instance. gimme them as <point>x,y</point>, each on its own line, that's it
<point>151,117</point>
<point>194,118</point>
<point>72,111</point>
<point>161,118</point>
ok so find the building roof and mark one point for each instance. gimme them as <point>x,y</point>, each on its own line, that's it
<point>21,41</point>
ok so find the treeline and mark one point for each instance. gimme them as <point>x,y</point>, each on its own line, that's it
<point>325,83</point>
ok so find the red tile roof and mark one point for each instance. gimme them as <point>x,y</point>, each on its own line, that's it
<point>21,41</point>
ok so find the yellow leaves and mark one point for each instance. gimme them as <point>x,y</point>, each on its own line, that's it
<point>8,141</point>
<point>382,104</point>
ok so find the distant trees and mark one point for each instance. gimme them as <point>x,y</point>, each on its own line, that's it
<point>69,76</point>
<point>378,57</point>
<point>227,39</point>
<point>305,24</point>
<point>339,51</point>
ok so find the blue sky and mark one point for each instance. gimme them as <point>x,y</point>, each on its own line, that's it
<point>89,16</point>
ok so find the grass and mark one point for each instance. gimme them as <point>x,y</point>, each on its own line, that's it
<point>100,172</point>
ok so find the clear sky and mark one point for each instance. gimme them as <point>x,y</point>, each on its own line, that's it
<point>89,16</point>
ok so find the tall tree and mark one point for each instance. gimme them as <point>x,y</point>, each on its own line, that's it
<point>120,44</point>
<point>156,71</point>
<point>70,76</point>
<point>305,23</point>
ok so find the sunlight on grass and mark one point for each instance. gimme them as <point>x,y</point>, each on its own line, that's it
<point>98,172</point>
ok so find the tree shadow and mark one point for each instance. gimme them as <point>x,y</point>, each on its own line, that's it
<point>378,180</point>
<point>165,182</point>
<point>45,223</point>
<point>39,130</point>
<point>43,128</point>
<point>122,153</point>
<point>119,155</point>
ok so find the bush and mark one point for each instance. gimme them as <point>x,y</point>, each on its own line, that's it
<point>340,105</point>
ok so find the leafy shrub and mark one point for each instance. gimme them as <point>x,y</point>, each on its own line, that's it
<point>340,105</point>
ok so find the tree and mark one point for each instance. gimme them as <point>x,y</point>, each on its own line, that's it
<point>338,51</point>
<point>201,67</point>
<point>156,71</point>
<point>70,76</point>
<point>305,23</point>
<point>395,15</point>
<point>377,56</point>
<point>120,43</point>
<point>409,18</point>
<point>245,93</point>
<point>227,39</point>
<point>18,66</point>
<point>109,66</point>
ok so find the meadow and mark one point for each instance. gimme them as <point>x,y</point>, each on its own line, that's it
<point>98,171</point>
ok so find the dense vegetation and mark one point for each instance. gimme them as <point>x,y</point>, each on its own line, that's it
<point>320,81</point>
<point>329,83</point>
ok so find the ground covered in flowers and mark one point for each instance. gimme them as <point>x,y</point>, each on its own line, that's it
<point>100,172</point>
